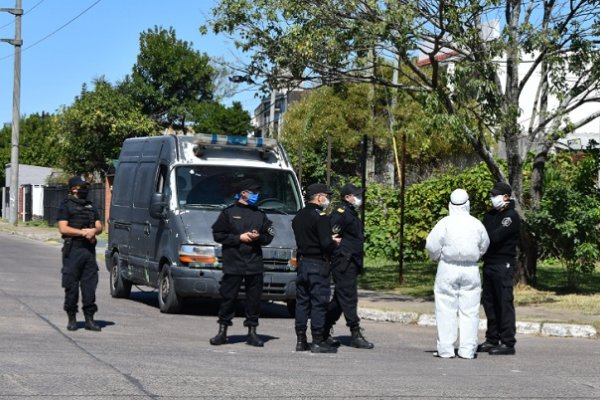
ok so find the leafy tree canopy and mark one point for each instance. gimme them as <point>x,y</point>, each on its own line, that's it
<point>212,117</point>
<point>169,78</point>
<point>94,127</point>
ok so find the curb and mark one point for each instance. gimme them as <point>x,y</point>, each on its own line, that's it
<point>526,328</point>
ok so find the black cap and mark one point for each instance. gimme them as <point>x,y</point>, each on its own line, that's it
<point>315,188</point>
<point>350,189</point>
<point>76,181</point>
<point>501,188</point>
<point>248,185</point>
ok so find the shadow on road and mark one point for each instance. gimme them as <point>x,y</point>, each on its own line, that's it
<point>210,307</point>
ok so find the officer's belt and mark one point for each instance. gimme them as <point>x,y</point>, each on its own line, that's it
<point>313,258</point>
<point>82,243</point>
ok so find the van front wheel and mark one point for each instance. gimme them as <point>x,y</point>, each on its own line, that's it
<point>168,301</point>
<point>119,286</point>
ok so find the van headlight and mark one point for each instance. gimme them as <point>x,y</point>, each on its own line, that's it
<point>198,256</point>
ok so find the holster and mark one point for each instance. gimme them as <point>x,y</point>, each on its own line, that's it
<point>326,268</point>
<point>342,261</point>
<point>67,245</point>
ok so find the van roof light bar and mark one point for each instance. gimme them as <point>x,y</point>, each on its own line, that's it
<point>259,143</point>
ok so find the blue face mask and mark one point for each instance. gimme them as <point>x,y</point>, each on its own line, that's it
<point>252,199</point>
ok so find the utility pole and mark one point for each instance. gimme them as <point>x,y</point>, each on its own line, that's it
<point>16,117</point>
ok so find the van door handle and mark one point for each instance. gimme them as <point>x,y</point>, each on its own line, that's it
<point>147,229</point>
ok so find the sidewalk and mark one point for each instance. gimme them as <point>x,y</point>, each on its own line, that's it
<point>536,320</point>
<point>389,307</point>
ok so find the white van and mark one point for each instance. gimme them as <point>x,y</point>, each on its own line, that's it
<point>168,191</point>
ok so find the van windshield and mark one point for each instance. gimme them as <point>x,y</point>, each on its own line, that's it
<point>211,186</point>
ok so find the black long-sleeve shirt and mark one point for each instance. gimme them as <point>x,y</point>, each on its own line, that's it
<point>503,228</point>
<point>345,222</point>
<point>241,258</point>
<point>313,233</point>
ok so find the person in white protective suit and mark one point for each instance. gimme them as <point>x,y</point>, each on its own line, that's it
<point>457,241</point>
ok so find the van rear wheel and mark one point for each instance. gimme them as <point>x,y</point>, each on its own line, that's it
<point>119,286</point>
<point>168,301</point>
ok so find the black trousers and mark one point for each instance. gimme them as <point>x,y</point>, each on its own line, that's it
<point>345,295</point>
<point>498,302</point>
<point>312,295</point>
<point>80,270</point>
<point>230,287</point>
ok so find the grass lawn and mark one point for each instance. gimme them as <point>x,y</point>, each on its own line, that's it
<point>551,289</point>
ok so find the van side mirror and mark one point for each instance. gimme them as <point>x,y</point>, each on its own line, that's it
<point>157,206</point>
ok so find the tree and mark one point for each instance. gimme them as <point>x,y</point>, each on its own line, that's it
<point>169,78</point>
<point>549,48</point>
<point>212,117</point>
<point>38,142</point>
<point>94,127</point>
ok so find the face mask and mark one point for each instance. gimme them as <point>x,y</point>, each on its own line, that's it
<point>252,199</point>
<point>82,193</point>
<point>498,201</point>
<point>325,204</point>
<point>357,202</point>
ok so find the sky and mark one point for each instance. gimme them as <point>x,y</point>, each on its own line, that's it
<point>67,43</point>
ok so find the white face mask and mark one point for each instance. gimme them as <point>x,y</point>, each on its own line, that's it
<point>325,204</point>
<point>498,201</point>
<point>357,202</point>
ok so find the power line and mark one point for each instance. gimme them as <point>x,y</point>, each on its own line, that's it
<point>26,12</point>
<point>57,30</point>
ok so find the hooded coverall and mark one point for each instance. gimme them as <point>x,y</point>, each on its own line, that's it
<point>457,242</point>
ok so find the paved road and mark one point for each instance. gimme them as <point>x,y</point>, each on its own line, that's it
<point>143,354</point>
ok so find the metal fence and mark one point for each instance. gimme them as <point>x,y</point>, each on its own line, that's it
<point>54,195</point>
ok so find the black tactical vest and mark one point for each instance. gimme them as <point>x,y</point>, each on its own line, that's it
<point>81,213</point>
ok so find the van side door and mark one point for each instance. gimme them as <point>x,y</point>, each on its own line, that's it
<point>143,187</point>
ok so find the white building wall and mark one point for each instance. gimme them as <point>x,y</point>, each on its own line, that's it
<point>37,199</point>
<point>579,138</point>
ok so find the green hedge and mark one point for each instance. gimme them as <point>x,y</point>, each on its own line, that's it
<point>425,204</point>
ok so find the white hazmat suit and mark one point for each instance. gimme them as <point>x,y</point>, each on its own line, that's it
<point>457,242</point>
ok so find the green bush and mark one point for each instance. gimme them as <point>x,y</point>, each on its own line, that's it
<point>567,224</point>
<point>425,204</point>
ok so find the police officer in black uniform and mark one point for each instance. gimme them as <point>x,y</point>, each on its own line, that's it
<point>502,224</point>
<point>315,244</point>
<point>242,229</point>
<point>79,223</point>
<point>346,264</point>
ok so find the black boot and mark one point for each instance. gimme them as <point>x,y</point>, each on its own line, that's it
<point>329,339</point>
<point>221,337</point>
<point>319,345</point>
<point>301,341</point>
<point>359,341</point>
<point>72,324</point>
<point>253,339</point>
<point>90,325</point>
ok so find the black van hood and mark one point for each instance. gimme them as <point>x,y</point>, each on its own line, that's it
<point>197,224</point>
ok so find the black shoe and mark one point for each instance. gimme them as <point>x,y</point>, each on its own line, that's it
<point>253,339</point>
<point>302,345</point>
<point>359,341</point>
<point>322,347</point>
<point>502,350</point>
<point>486,346</point>
<point>319,345</point>
<point>332,342</point>
<point>72,324</point>
<point>221,337</point>
<point>90,325</point>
